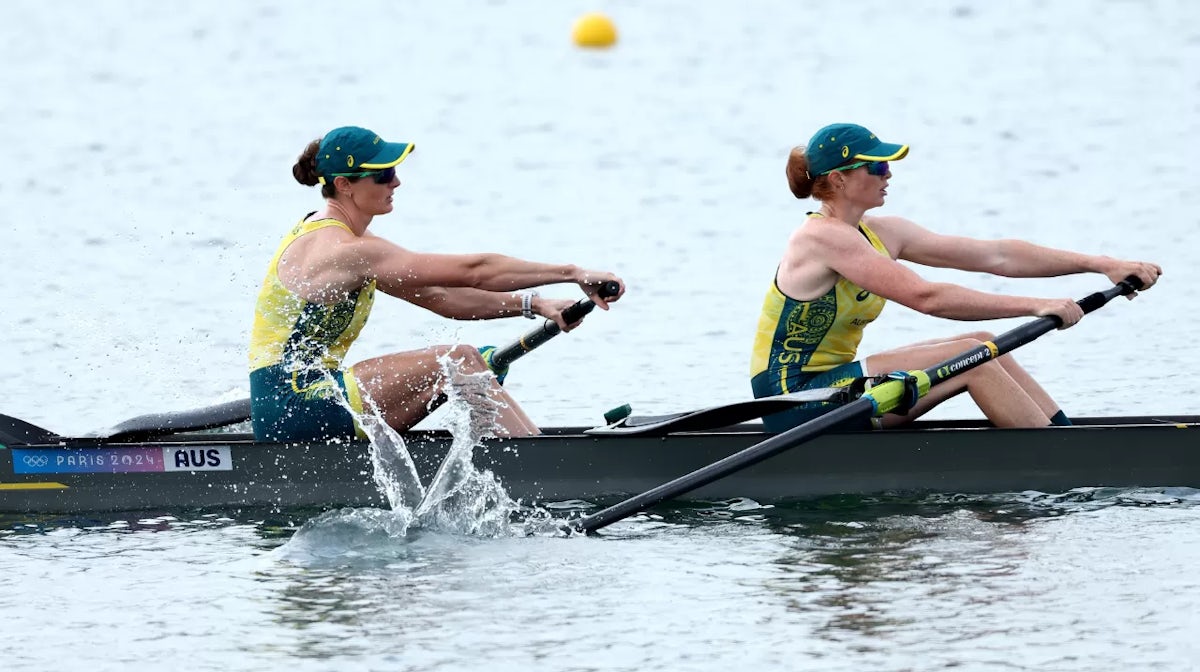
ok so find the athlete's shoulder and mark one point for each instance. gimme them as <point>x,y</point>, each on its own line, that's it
<point>887,222</point>
<point>326,225</point>
<point>823,233</point>
<point>816,226</point>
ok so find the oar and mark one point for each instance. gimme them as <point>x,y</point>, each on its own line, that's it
<point>725,415</point>
<point>882,398</point>
<point>209,417</point>
<point>501,358</point>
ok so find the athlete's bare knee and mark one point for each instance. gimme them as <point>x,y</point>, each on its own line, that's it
<point>469,357</point>
<point>969,341</point>
<point>980,336</point>
<point>989,371</point>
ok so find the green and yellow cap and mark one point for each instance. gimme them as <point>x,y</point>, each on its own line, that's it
<point>352,150</point>
<point>840,144</point>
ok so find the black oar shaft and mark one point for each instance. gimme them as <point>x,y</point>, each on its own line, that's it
<point>861,407</point>
<point>879,399</point>
<point>549,329</point>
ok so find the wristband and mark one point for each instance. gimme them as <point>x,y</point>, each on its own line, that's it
<point>527,303</point>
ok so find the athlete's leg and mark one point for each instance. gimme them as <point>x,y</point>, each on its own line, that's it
<point>993,387</point>
<point>1039,395</point>
<point>1034,389</point>
<point>406,386</point>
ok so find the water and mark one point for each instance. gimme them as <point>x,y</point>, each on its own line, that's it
<point>840,584</point>
<point>147,182</point>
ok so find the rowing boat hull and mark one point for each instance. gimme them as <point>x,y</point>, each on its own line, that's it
<point>231,470</point>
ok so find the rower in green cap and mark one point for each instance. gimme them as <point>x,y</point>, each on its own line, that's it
<point>320,286</point>
<point>841,265</point>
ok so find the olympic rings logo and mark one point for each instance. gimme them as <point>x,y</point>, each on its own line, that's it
<point>36,460</point>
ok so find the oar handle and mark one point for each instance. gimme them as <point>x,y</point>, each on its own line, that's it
<point>1043,325</point>
<point>1093,301</point>
<point>549,329</point>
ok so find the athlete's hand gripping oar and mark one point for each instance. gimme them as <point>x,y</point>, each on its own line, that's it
<point>498,359</point>
<point>901,392</point>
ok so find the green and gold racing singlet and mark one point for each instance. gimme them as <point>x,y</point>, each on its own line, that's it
<point>298,333</point>
<point>796,339</point>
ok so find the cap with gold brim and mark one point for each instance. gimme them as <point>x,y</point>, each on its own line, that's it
<point>839,144</point>
<point>352,150</point>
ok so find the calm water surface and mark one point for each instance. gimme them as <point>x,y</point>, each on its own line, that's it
<point>147,181</point>
<point>1013,582</point>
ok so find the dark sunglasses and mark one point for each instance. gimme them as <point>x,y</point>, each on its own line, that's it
<point>876,168</point>
<point>384,176</point>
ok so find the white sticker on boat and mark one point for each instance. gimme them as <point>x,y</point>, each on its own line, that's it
<point>197,458</point>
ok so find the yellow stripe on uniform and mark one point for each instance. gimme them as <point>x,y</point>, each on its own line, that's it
<point>354,398</point>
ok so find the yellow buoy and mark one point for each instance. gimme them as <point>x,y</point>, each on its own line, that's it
<point>595,31</point>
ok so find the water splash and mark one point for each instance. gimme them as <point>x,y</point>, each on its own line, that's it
<point>392,465</point>
<point>461,498</point>
<point>393,469</point>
